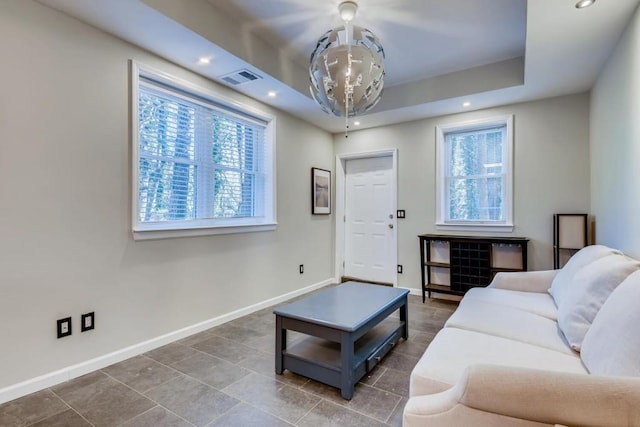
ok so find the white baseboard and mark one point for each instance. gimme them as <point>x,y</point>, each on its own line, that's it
<point>412,291</point>
<point>52,378</point>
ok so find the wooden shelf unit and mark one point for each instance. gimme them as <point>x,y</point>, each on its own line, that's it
<point>467,262</point>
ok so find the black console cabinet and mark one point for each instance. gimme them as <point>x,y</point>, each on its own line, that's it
<point>466,262</point>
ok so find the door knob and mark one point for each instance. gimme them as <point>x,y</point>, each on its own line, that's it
<point>390,225</point>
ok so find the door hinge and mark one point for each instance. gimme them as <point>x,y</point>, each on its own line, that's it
<point>342,264</point>
<point>344,218</point>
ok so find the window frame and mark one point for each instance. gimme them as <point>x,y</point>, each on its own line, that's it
<point>200,226</point>
<point>442,200</point>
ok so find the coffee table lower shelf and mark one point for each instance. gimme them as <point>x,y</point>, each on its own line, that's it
<point>320,359</point>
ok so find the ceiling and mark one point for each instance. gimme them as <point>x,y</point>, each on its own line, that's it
<point>421,38</point>
<point>438,54</point>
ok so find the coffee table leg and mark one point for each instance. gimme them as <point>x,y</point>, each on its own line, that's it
<point>346,355</point>
<point>405,318</point>
<point>281,345</point>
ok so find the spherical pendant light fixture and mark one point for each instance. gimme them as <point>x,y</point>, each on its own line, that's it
<point>347,68</point>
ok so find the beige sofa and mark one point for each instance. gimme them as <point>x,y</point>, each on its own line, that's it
<point>538,348</point>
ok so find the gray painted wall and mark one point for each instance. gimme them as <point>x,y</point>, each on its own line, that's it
<point>65,241</point>
<point>551,172</point>
<point>615,146</point>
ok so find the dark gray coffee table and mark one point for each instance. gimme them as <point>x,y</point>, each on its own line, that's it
<point>350,332</point>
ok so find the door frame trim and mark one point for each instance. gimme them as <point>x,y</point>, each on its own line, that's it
<point>341,160</point>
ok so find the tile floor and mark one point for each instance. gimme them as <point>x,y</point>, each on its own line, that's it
<point>225,377</point>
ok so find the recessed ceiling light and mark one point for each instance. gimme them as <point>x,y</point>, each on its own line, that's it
<point>271,94</point>
<point>204,60</point>
<point>466,104</point>
<point>356,123</point>
<point>584,3</point>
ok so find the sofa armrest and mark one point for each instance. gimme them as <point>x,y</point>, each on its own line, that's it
<point>525,281</point>
<point>495,394</point>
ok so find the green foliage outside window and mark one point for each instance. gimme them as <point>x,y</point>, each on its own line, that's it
<point>475,174</point>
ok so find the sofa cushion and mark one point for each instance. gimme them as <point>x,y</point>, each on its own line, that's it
<point>562,282</point>
<point>539,303</point>
<point>508,322</point>
<point>453,349</point>
<point>612,344</point>
<point>590,287</point>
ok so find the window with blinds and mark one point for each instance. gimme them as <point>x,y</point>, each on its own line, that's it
<point>474,173</point>
<point>200,163</point>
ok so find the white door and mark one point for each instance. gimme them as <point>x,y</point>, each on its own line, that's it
<point>370,220</point>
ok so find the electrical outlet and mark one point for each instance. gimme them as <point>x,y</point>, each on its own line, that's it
<point>400,268</point>
<point>87,322</point>
<point>400,213</point>
<point>301,268</point>
<point>64,327</point>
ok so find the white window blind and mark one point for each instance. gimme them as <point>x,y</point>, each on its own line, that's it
<point>201,164</point>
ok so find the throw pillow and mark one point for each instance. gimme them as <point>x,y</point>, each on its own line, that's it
<point>612,344</point>
<point>589,289</point>
<point>583,257</point>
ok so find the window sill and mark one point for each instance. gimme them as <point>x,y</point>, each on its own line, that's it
<point>203,231</point>
<point>498,228</point>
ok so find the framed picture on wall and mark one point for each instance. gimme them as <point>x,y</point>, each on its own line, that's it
<point>320,191</point>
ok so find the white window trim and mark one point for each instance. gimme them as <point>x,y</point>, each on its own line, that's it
<point>202,227</point>
<point>505,225</point>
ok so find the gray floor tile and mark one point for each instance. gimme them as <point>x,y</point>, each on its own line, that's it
<point>421,337</point>
<point>196,338</point>
<point>425,325</point>
<point>259,323</point>
<point>190,399</point>
<point>157,417</point>
<point>368,400</point>
<point>393,381</point>
<point>410,348</point>
<point>171,353</point>
<point>265,343</point>
<point>371,377</point>
<point>261,338</point>
<point>211,370</point>
<point>264,364</point>
<point>433,315</point>
<point>225,349</point>
<point>273,397</point>
<point>327,392</point>
<point>141,373</point>
<point>244,415</point>
<point>30,409</point>
<point>102,400</point>
<point>399,361</point>
<point>237,358</point>
<point>68,418</point>
<point>327,414</point>
<point>70,386</point>
<point>237,333</point>
<point>396,417</point>
<point>442,314</point>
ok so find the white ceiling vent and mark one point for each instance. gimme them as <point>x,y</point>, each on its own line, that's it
<point>240,77</point>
